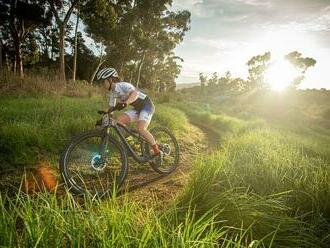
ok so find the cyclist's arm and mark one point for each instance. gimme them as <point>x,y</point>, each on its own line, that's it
<point>112,100</point>
<point>132,97</point>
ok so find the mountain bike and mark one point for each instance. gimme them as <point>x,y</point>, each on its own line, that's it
<point>96,161</point>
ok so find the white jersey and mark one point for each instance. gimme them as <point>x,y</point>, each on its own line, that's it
<point>121,93</point>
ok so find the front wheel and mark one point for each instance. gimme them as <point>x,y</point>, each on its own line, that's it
<point>169,146</point>
<point>93,163</point>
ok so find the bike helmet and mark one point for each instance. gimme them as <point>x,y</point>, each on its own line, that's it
<point>106,73</point>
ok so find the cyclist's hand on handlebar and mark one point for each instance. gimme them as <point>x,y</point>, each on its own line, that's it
<point>111,109</point>
<point>120,106</point>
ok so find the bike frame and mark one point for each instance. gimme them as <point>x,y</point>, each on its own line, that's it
<point>114,124</point>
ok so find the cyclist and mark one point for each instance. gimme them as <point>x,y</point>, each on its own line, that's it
<point>123,94</point>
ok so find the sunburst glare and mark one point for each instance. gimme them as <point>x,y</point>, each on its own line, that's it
<point>281,74</point>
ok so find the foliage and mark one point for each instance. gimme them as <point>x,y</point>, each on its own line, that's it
<point>202,79</point>
<point>19,19</point>
<point>139,38</point>
<point>302,63</point>
<point>257,68</point>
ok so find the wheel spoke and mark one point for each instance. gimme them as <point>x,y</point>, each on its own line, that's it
<point>87,171</point>
<point>169,146</point>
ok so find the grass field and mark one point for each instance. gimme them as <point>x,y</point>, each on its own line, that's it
<point>267,184</point>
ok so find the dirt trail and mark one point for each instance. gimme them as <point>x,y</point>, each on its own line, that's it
<point>148,187</point>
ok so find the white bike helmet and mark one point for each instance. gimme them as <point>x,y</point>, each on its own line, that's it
<point>106,73</point>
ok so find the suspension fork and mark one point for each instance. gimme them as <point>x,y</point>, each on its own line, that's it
<point>103,148</point>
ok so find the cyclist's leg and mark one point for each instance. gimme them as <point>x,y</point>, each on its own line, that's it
<point>142,129</point>
<point>127,117</point>
<point>142,125</point>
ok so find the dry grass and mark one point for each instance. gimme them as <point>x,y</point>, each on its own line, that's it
<point>11,84</point>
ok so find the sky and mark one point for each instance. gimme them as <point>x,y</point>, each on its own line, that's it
<point>225,34</point>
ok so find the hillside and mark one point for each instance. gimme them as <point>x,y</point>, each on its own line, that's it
<point>254,171</point>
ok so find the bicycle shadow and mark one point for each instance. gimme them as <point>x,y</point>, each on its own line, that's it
<point>140,178</point>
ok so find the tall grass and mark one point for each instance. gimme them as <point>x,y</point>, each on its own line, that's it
<point>47,221</point>
<point>221,125</point>
<point>265,178</point>
<point>36,127</point>
<point>33,127</point>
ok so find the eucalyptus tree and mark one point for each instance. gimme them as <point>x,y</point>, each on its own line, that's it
<point>257,67</point>
<point>202,79</point>
<point>62,11</point>
<point>139,36</point>
<point>75,49</point>
<point>85,58</point>
<point>301,63</point>
<point>20,18</point>
<point>157,34</point>
<point>100,18</point>
<point>212,82</point>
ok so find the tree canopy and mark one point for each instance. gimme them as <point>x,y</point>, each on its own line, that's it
<point>138,37</point>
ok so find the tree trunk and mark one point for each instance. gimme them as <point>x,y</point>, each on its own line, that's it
<point>62,61</point>
<point>0,56</point>
<point>7,62</point>
<point>140,67</point>
<point>75,49</point>
<point>62,25</point>
<point>14,66</point>
<point>18,58</point>
<point>101,61</point>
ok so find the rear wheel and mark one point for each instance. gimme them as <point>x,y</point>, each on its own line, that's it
<point>94,163</point>
<point>169,146</point>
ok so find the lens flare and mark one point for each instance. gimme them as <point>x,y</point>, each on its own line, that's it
<point>280,75</point>
<point>40,178</point>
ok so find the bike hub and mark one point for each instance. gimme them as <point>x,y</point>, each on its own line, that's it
<point>97,163</point>
<point>165,148</point>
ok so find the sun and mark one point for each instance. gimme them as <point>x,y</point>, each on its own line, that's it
<point>280,75</point>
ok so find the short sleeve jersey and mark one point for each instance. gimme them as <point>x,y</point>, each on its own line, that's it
<point>121,93</point>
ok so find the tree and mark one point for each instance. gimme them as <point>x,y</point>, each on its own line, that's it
<point>212,82</point>
<point>75,46</point>
<point>300,63</point>
<point>139,35</point>
<point>257,68</point>
<point>99,27</point>
<point>237,84</point>
<point>167,71</point>
<point>157,36</point>
<point>101,60</point>
<point>202,79</point>
<point>224,82</point>
<point>20,19</point>
<point>86,60</point>
<point>59,8</point>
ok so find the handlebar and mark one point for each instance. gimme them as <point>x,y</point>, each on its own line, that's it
<point>106,117</point>
<point>119,106</point>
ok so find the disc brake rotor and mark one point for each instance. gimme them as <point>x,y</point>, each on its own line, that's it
<point>165,148</point>
<point>97,163</point>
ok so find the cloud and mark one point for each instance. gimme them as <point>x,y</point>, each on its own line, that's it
<point>256,2</point>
